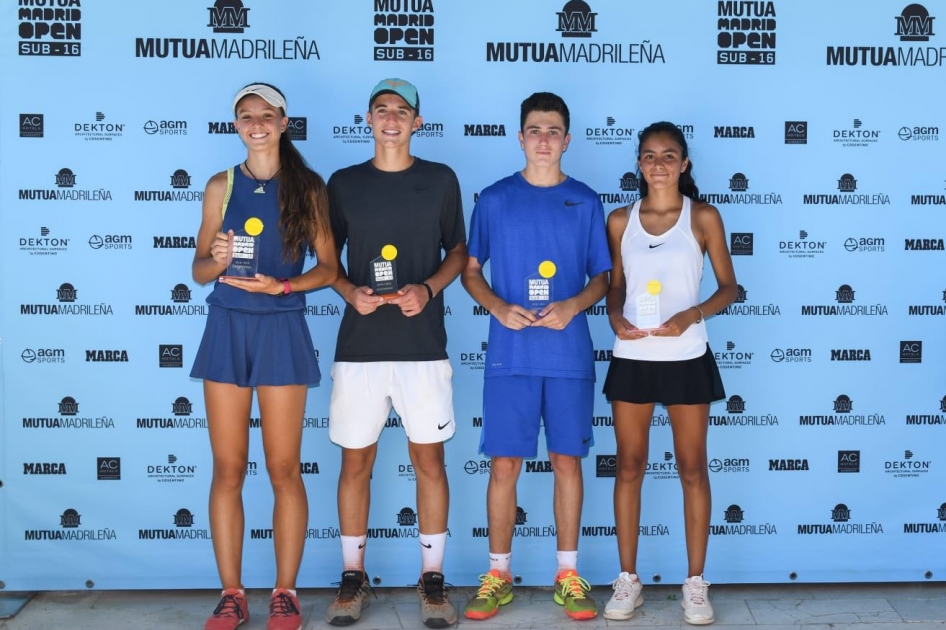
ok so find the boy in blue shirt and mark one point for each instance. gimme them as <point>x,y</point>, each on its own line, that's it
<point>544,234</point>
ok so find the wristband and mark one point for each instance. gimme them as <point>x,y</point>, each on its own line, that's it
<point>286,288</point>
<point>700,311</point>
<point>430,292</point>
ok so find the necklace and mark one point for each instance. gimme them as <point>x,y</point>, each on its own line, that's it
<point>260,184</point>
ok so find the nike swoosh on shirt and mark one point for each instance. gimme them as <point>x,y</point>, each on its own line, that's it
<point>653,246</point>
<point>441,427</point>
<point>569,204</point>
<point>585,440</point>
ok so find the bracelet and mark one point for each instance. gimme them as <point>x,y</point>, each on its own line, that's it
<point>430,292</point>
<point>286,288</point>
<point>700,311</point>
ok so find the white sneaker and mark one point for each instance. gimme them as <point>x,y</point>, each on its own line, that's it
<point>696,607</point>
<point>627,596</point>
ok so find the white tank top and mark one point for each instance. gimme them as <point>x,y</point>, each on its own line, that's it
<point>676,261</point>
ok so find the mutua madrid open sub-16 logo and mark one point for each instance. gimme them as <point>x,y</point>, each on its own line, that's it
<point>50,28</point>
<point>404,30</point>
<point>745,33</point>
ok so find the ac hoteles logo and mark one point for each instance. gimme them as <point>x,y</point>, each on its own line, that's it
<point>228,21</point>
<point>165,128</point>
<point>404,30</point>
<point>298,128</point>
<point>31,125</point>
<point>849,461</point>
<point>170,355</point>
<point>741,244</point>
<point>50,29</point>
<point>796,132</point>
<point>914,25</point>
<point>576,25</point>
<point>911,352</point>
<point>745,33</point>
<point>606,466</point>
<point>109,468</point>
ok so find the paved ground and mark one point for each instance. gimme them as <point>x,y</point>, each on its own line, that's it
<point>770,607</point>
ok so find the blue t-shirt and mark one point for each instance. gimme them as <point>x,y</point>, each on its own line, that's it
<point>245,204</point>
<point>518,226</point>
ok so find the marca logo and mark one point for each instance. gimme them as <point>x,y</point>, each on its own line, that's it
<point>734,132</point>
<point>850,354</point>
<point>106,356</point>
<point>175,242</point>
<point>44,468</point>
<point>923,244</point>
<point>788,464</point>
<point>484,130</point>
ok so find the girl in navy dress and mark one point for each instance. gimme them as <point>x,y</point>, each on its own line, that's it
<point>256,337</point>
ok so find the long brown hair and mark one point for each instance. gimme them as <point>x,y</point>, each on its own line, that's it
<point>303,199</point>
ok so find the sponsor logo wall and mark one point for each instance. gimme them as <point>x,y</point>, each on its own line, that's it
<point>833,355</point>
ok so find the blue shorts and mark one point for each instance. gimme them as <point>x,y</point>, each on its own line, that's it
<point>253,349</point>
<point>515,406</point>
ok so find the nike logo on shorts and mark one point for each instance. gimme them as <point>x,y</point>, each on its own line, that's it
<point>441,427</point>
<point>653,246</point>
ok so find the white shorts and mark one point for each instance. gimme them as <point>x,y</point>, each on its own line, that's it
<point>363,394</point>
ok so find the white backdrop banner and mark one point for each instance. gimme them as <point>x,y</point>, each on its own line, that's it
<point>813,127</point>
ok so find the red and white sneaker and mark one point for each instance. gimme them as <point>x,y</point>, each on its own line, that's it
<point>230,613</point>
<point>284,611</point>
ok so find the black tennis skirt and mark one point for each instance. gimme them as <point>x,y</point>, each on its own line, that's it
<point>690,382</point>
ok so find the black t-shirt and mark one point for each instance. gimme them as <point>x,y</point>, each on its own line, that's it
<point>418,211</point>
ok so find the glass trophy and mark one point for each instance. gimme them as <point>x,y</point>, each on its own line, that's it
<point>383,273</point>
<point>539,287</point>
<point>648,307</point>
<point>243,257</point>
